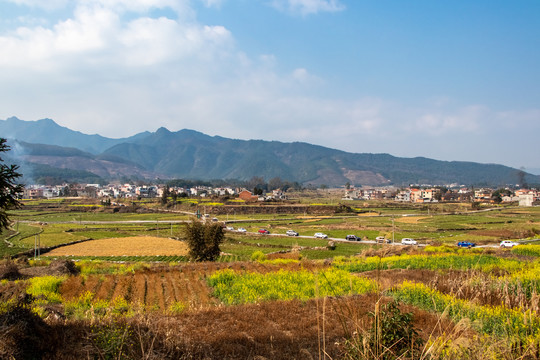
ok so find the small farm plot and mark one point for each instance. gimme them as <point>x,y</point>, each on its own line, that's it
<point>129,246</point>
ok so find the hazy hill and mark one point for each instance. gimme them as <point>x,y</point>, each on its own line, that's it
<point>190,154</point>
<point>54,164</point>
<point>46,131</point>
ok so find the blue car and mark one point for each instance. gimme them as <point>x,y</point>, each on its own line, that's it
<point>466,244</point>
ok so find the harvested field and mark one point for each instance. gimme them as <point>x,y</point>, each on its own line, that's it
<point>411,219</point>
<point>129,246</point>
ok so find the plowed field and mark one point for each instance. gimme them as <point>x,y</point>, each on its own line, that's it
<point>129,246</point>
<point>161,286</point>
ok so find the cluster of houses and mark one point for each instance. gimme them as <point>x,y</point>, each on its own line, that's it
<point>142,191</point>
<point>525,197</point>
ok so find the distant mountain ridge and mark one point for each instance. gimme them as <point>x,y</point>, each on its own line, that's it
<point>190,154</point>
<point>48,132</point>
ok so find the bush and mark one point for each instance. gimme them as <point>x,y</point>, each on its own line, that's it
<point>393,332</point>
<point>9,270</point>
<point>203,240</point>
<point>258,256</point>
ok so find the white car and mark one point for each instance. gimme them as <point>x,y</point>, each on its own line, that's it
<point>321,236</point>
<point>291,233</point>
<point>230,228</point>
<point>409,241</point>
<point>241,230</point>
<point>382,239</point>
<point>508,244</point>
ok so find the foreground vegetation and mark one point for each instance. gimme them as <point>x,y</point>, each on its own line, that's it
<point>275,297</point>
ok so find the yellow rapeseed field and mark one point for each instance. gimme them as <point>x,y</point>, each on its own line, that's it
<point>130,246</point>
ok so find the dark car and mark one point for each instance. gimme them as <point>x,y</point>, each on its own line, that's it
<point>264,231</point>
<point>466,244</point>
<point>352,238</point>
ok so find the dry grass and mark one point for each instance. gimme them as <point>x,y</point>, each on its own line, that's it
<point>130,246</point>
<point>411,219</point>
<point>272,330</point>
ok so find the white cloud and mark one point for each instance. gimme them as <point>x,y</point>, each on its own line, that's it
<point>96,34</point>
<point>111,68</point>
<point>466,119</point>
<point>307,7</point>
<point>46,5</point>
<point>212,3</point>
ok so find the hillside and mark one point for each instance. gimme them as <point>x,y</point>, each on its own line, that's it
<point>52,164</point>
<point>48,132</point>
<point>190,154</point>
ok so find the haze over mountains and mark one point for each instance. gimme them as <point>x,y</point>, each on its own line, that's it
<point>46,150</point>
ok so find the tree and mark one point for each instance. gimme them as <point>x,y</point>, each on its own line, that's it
<point>275,183</point>
<point>165,195</point>
<point>203,240</point>
<point>9,189</point>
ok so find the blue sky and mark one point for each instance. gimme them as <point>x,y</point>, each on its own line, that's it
<point>447,80</point>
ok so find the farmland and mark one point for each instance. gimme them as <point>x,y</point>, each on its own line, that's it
<point>120,285</point>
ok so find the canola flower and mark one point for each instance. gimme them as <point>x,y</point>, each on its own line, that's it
<point>46,288</point>
<point>528,250</point>
<point>431,262</point>
<point>492,320</point>
<point>233,287</point>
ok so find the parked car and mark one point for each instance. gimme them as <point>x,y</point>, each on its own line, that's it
<point>320,235</point>
<point>382,239</point>
<point>264,231</point>
<point>230,228</point>
<point>466,244</point>
<point>409,241</point>
<point>508,244</point>
<point>242,230</point>
<point>291,233</point>
<point>352,238</point>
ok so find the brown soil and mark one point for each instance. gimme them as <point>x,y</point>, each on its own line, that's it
<point>55,268</point>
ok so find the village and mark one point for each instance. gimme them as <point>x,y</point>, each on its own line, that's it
<point>412,194</point>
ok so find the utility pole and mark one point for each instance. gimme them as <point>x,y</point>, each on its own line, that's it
<point>37,246</point>
<point>393,229</point>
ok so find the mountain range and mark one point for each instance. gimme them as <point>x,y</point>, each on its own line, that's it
<point>46,150</point>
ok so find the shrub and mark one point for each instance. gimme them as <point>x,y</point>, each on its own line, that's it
<point>177,307</point>
<point>258,256</point>
<point>203,240</point>
<point>393,332</point>
<point>9,270</point>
